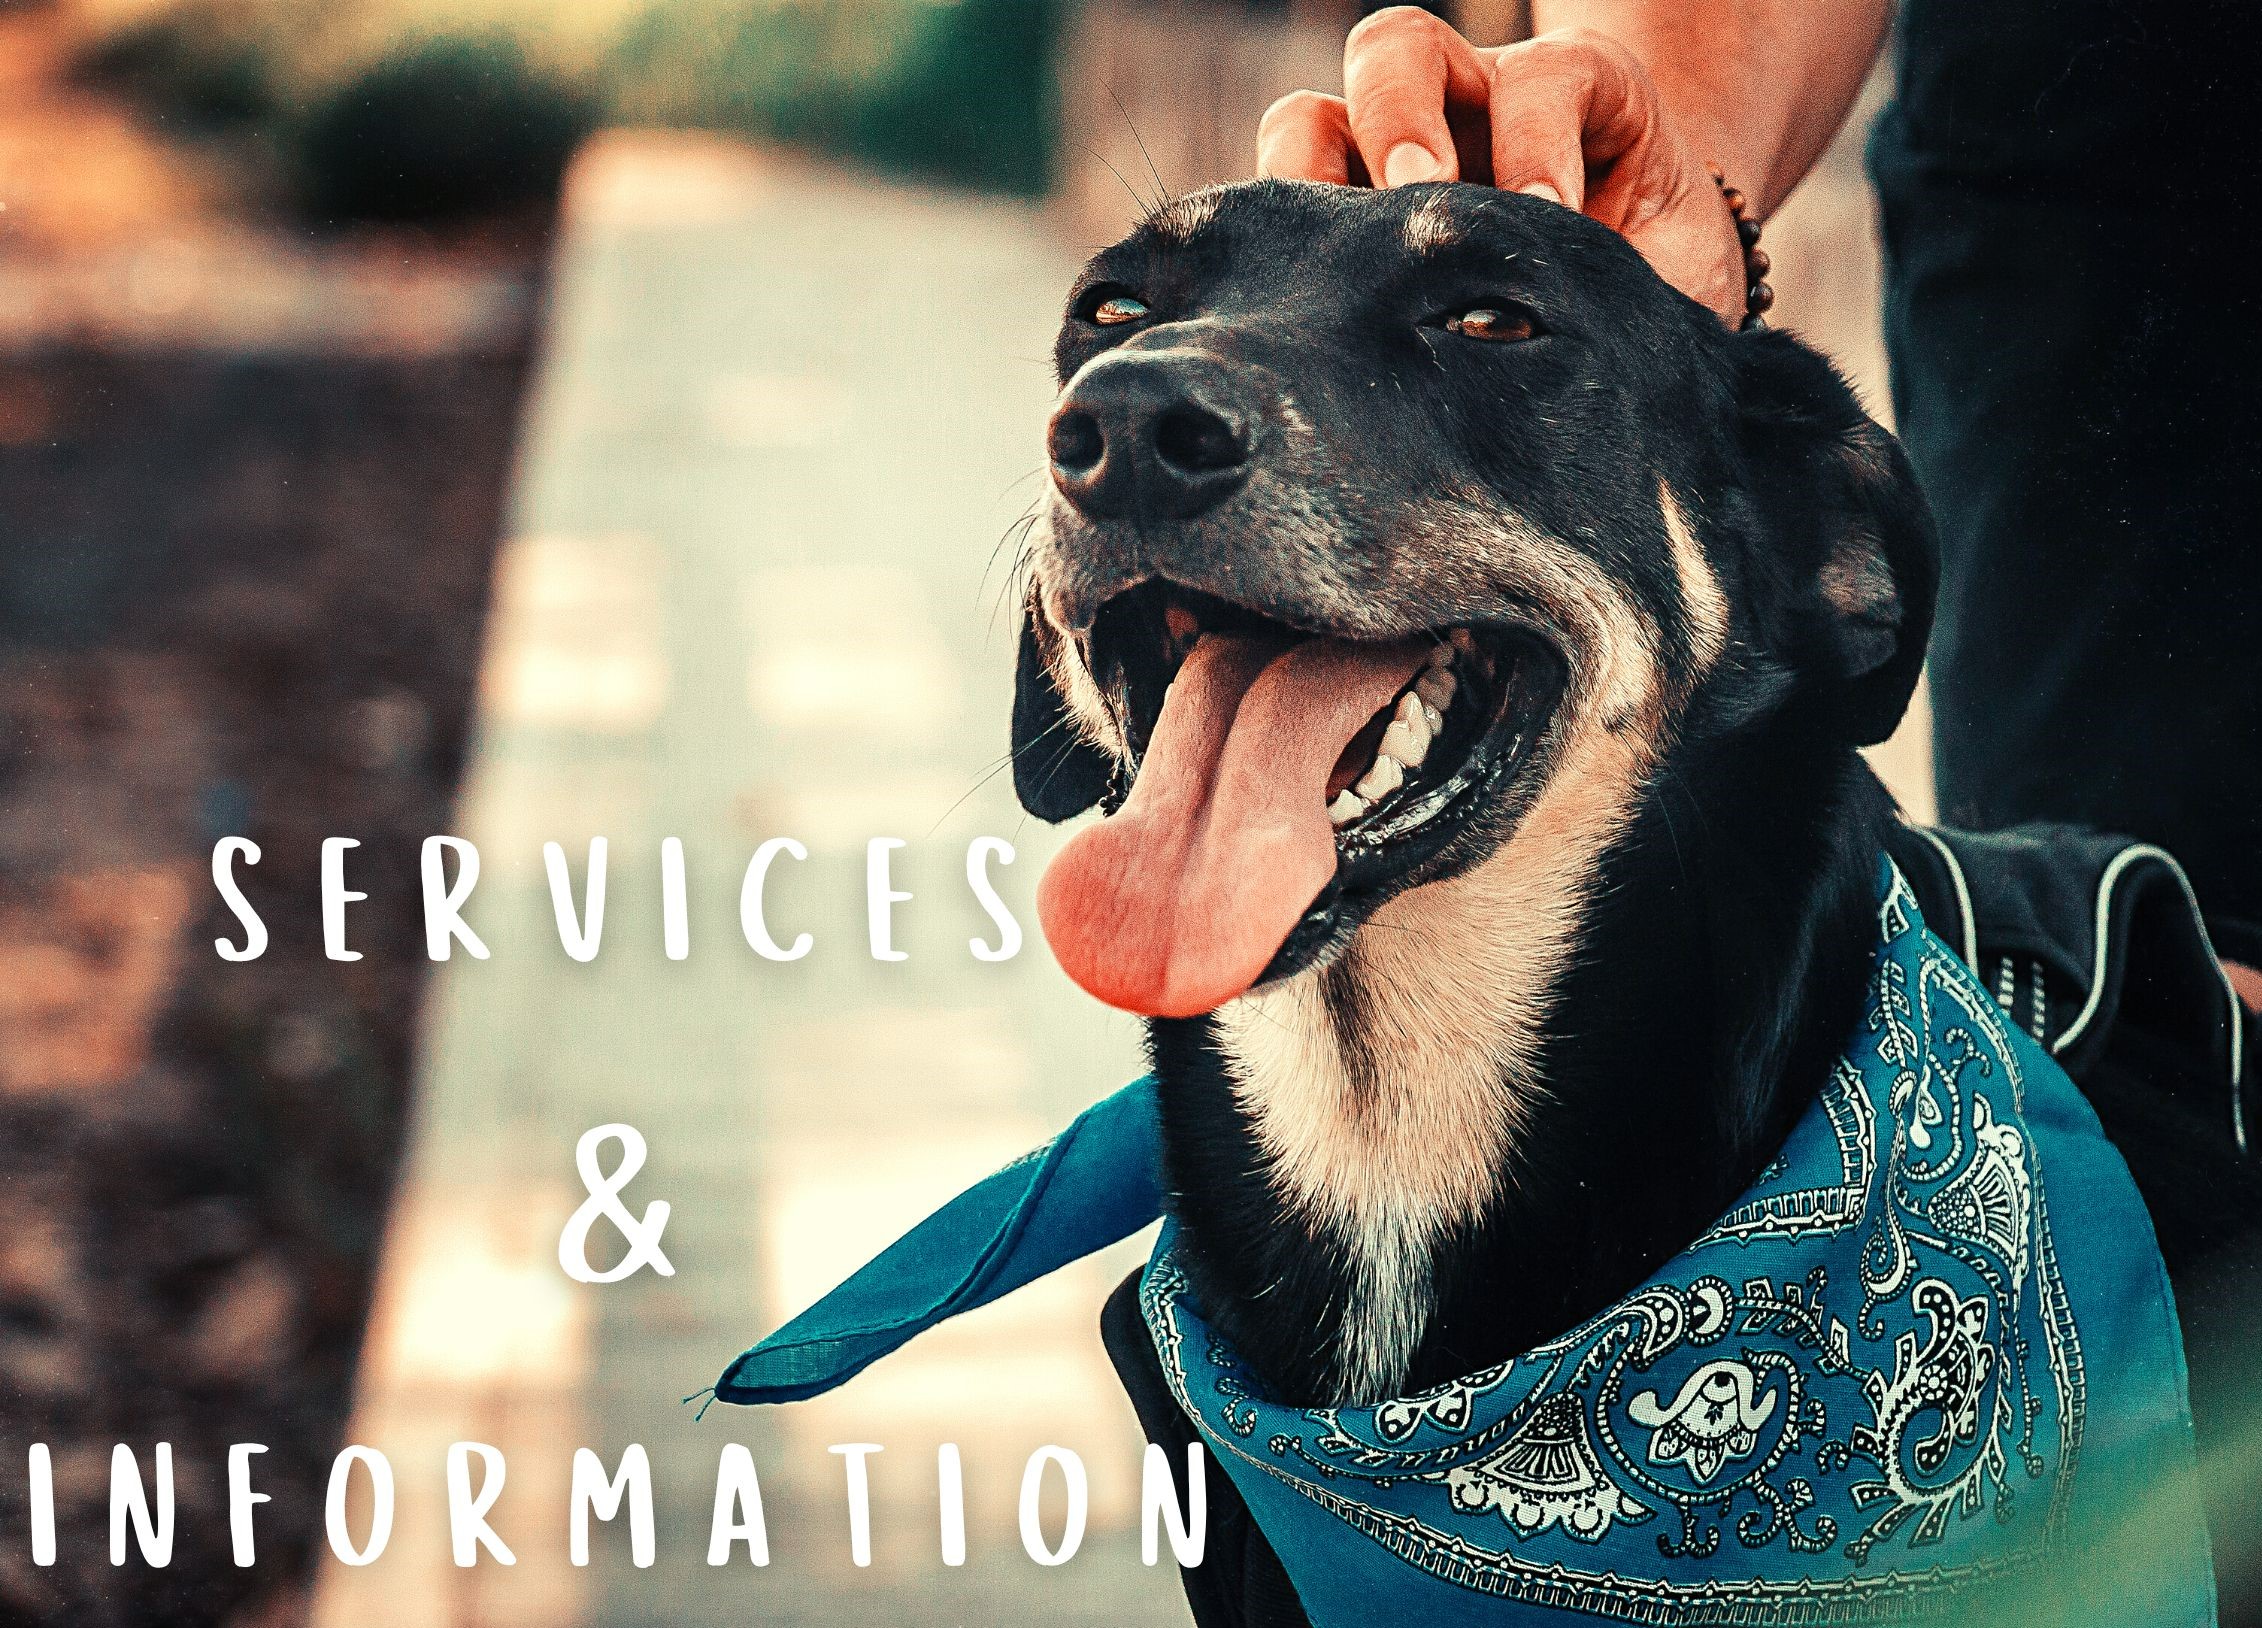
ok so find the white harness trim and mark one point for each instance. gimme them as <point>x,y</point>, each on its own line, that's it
<point>2106,885</point>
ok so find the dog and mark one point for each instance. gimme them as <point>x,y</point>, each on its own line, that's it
<point>1471,641</point>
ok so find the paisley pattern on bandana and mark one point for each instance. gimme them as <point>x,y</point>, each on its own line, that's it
<point>1863,1387</point>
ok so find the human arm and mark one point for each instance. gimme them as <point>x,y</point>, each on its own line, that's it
<point>1616,107</point>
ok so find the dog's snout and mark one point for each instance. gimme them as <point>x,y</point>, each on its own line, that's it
<point>1158,434</point>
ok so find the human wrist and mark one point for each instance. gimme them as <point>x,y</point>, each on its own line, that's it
<point>1699,63</point>
<point>1723,143</point>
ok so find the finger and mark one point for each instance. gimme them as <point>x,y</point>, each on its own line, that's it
<point>1402,69</point>
<point>1306,136</point>
<point>2248,982</point>
<point>1562,106</point>
<point>1688,235</point>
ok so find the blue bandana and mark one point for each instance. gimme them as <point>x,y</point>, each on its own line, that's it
<point>1930,1347</point>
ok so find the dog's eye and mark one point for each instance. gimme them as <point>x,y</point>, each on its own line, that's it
<point>1112,307</point>
<point>1507,323</point>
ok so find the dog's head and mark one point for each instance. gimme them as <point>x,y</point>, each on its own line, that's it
<point>1394,536</point>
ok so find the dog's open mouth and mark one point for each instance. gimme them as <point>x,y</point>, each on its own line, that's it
<point>1283,776</point>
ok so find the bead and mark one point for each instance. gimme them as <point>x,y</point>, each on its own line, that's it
<point>1758,296</point>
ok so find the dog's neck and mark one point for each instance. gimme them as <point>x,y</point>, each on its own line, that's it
<point>1519,1091</point>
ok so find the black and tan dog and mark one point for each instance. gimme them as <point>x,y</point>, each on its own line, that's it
<point>1471,640</point>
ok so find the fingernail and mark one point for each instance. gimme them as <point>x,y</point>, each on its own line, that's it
<point>1540,189</point>
<point>1407,163</point>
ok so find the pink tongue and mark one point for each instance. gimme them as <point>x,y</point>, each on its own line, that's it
<point>1174,905</point>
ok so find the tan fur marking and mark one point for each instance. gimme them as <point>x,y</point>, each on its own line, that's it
<point>1430,227</point>
<point>1181,218</point>
<point>1615,647</point>
<point>1453,983</point>
<point>1072,678</point>
<point>1857,583</point>
<point>1706,605</point>
<point>1085,703</point>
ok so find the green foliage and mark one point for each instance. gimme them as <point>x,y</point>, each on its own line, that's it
<point>432,109</point>
<point>441,129</point>
<point>188,64</point>
<point>956,90</point>
<point>976,104</point>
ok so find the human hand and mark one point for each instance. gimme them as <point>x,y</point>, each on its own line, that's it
<point>1571,116</point>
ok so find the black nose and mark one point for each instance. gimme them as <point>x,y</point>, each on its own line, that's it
<point>1153,433</point>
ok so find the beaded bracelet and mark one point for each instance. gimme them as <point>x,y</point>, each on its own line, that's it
<point>1759,299</point>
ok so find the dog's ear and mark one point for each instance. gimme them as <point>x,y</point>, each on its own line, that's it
<point>1057,773</point>
<point>1849,540</point>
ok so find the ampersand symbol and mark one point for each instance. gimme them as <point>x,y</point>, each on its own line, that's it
<point>604,1199</point>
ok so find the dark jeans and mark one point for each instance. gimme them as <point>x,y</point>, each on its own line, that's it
<point>2072,201</point>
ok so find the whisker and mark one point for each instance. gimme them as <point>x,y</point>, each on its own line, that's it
<point>1059,761</point>
<point>1016,534</point>
<point>987,775</point>
<point>1144,206</point>
<point>1162,188</point>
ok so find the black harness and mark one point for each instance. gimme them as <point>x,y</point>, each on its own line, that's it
<point>2097,947</point>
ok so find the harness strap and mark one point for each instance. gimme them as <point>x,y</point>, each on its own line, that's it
<point>2079,935</point>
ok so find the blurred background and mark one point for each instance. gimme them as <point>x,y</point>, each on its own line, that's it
<point>541,420</point>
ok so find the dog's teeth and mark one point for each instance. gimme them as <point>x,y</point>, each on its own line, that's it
<point>1347,807</point>
<point>1436,687</point>
<point>1434,718</point>
<point>1463,640</point>
<point>1440,655</point>
<point>1387,775</point>
<point>1406,744</point>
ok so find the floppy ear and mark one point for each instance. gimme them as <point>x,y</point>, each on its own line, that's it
<point>1057,773</point>
<point>1850,540</point>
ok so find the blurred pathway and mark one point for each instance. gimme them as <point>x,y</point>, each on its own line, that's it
<point>784,419</point>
